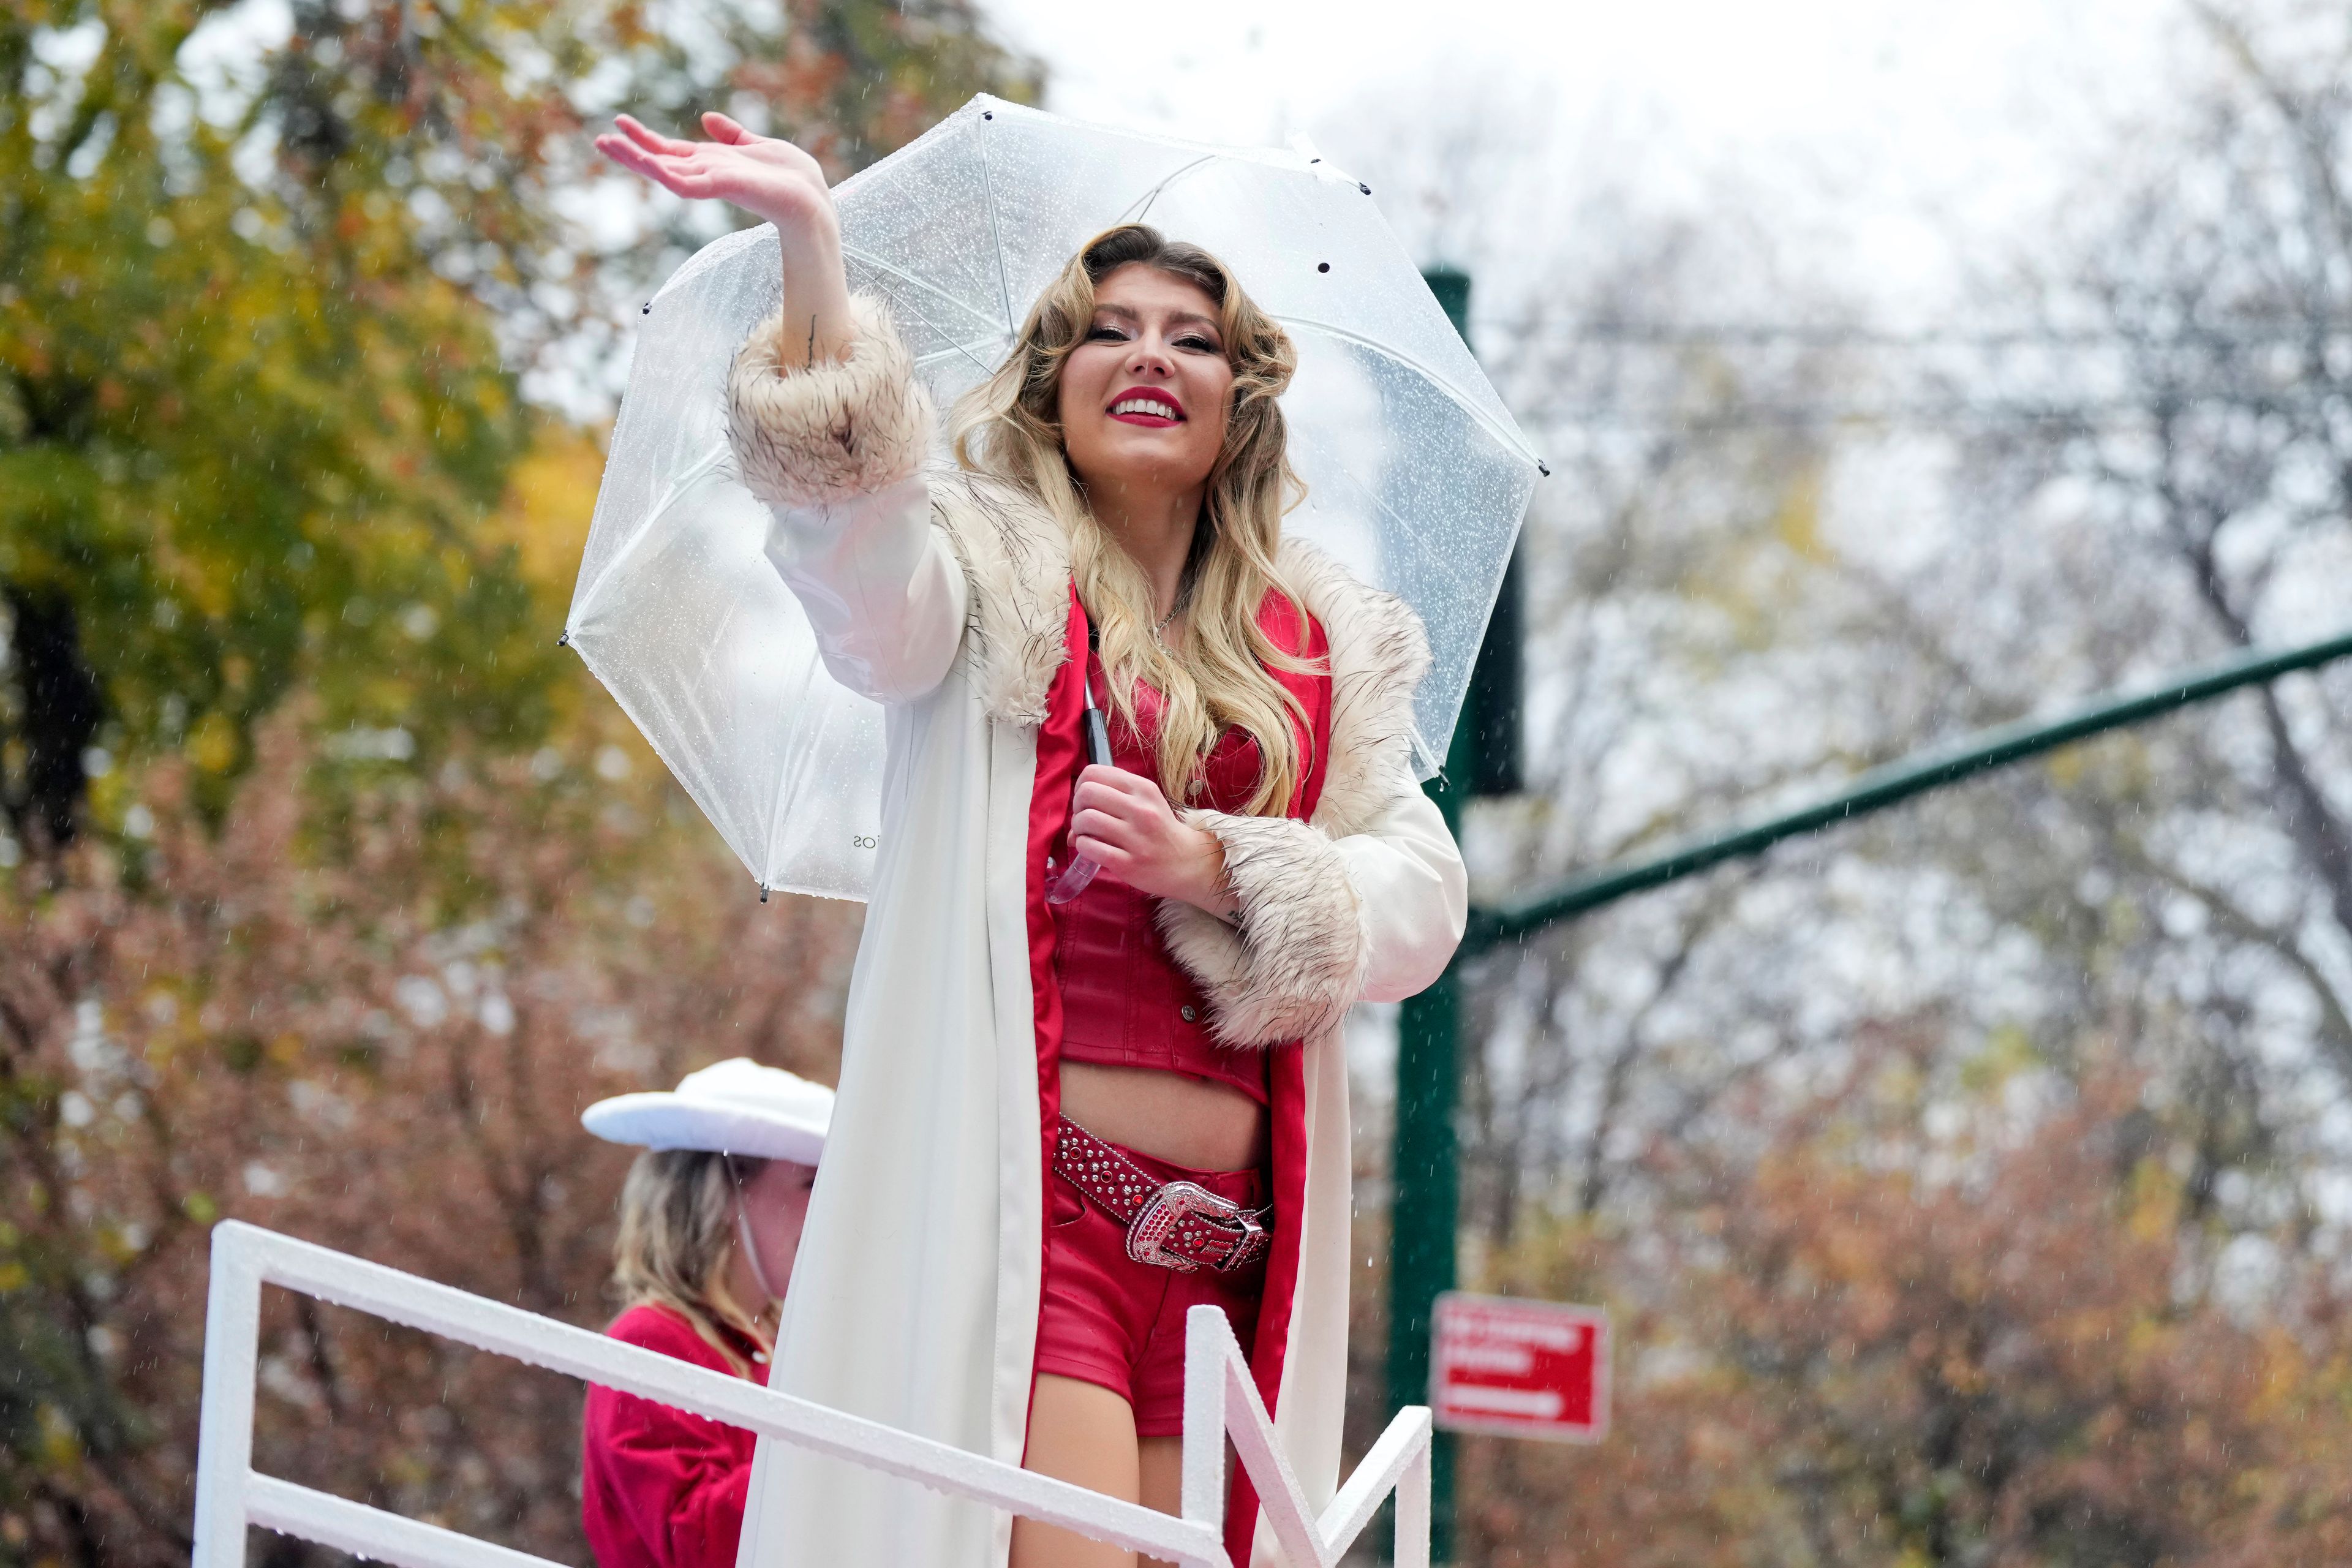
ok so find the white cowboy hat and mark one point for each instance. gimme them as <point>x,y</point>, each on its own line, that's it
<point>734,1107</point>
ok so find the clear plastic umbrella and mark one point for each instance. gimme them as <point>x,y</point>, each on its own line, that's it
<point>1416,475</point>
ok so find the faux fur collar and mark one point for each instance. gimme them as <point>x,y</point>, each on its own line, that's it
<point>1016,562</point>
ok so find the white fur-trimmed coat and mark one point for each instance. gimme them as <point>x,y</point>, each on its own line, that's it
<point>945,598</point>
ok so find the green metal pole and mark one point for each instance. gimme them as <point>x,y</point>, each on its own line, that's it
<point>1424,1199</point>
<point>1898,782</point>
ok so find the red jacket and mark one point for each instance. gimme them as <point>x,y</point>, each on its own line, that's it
<point>659,1487</point>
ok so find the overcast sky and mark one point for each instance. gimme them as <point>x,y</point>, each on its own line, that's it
<point>1901,125</point>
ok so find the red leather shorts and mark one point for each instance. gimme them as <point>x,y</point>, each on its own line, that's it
<point>1106,1319</point>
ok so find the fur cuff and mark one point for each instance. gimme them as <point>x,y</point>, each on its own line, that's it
<point>857,425</point>
<point>1295,964</point>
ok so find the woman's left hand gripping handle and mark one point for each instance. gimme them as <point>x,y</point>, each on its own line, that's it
<point>1123,823</point>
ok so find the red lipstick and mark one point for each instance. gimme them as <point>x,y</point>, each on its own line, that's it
<point>1154,408</point>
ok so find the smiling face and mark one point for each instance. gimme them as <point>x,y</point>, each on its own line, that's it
<point>1145,394</point>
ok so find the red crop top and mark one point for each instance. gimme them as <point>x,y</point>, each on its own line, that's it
<point>1125,1002</point>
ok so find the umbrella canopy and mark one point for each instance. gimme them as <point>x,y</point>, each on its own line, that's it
<point>1416,474</point>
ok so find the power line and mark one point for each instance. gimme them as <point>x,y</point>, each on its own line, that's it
<point>1810,334</point>
<point>2106,412</point>
<point>1801,417</point>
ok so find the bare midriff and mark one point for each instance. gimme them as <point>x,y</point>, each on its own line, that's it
<point>1169,1116</point>
<point>1140,1064</point>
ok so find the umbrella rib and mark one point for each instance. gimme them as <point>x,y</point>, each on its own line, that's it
<point>694,471</point>
<point>1402,527</point>
<point>995,237</point>
<point>905,277</point>
<point>1141,208</point>
<point>925,361</point>
<point>788,788</point>
<point>1403,523</point>
<point>1506,434</point>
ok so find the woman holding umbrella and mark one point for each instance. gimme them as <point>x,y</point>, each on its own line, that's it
<point>1069,1111</point>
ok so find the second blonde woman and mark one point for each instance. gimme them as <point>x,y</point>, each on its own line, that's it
<point>710,1226</point>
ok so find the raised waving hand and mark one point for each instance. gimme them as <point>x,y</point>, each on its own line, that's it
<point>769,179</point>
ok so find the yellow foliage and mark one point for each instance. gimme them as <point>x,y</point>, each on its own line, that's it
<point>212,743</point>
<point>1797,524</point>
<point>551,494</point>
<point>2007,1051</point>
<point>1749,572</point>
<point>2153,1201</point>
<point>59,1444</point>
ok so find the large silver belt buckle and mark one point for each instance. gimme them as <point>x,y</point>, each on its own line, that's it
<point>1178,1210</point>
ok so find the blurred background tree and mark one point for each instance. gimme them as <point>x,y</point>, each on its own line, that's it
<point>387,1046</point>
<point>330,890</point>
<point>1886,1337</point>
<point>268,300</point>
<point>2061,1280</point>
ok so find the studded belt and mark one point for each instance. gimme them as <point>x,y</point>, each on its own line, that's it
<point>1180,1225</point>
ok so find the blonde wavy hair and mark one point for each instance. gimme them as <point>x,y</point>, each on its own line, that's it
<point>677,1236</point>
<point>1009,426</point>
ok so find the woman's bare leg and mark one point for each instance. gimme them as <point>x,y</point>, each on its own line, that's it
<point>1084,1433</point>
<point>1159,1466</point>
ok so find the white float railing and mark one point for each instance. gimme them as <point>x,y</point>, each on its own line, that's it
<point>1220,1400</point>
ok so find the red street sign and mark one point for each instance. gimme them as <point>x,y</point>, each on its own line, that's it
<point>1520,1369</point>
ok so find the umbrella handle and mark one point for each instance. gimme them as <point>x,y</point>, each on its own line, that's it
<point>1081,871</point>
<point>1074,880</point>
<point>1096,736</point>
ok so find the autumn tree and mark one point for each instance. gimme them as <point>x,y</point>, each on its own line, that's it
<point>1801,547</point>
<point>1798,540</point>
<point>1918,1322</point>
<point>263,320</point>
<point>385,1048</point>
<point>330,888</point>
